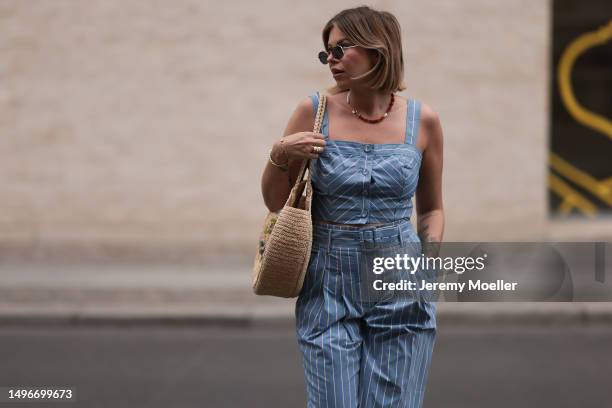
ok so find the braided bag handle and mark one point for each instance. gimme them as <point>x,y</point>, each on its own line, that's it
<point>299,187</point>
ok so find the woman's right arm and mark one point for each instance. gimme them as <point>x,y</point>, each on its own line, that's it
<point>297,142</point>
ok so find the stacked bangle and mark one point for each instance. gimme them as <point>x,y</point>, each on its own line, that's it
<point>283,167</point>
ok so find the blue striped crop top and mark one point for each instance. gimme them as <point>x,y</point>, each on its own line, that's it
<point>362,183</point>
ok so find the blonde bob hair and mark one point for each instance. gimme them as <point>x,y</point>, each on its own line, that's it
<point>378,32</point>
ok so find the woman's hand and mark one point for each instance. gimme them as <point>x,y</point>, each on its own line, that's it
<point>300,145</point>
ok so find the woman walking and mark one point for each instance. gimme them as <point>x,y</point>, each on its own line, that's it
<point>376,150</point>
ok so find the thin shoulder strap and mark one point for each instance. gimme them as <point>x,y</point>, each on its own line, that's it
<point>315,102</point>
<point>413,120</point>
<point>324,124</point>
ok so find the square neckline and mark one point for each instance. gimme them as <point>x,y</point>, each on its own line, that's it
<point>328,139</point>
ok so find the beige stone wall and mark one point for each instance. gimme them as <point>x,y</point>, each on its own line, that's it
<point>148,122</point>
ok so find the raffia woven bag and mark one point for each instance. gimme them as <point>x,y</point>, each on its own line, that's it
<point>285,242</point>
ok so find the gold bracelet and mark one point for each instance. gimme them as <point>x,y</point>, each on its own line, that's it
<point>283,167</point>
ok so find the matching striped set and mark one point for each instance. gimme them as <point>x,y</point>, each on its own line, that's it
<point>357,352</point>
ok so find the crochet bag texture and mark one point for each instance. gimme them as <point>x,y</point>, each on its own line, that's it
<point>282,257</point>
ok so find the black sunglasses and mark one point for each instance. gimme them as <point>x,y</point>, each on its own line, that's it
<point>337,52</point>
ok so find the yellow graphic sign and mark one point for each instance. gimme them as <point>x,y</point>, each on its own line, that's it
<point>571,198</point>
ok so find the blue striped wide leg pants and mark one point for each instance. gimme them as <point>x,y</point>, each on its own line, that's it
<point>360,353</point>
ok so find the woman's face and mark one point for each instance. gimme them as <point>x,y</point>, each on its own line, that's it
<point>355,61</point>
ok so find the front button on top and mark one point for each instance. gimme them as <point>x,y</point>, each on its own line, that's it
<point>365,171</point>
<point>367,148</point>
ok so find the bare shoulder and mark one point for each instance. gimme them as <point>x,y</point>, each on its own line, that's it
<point>431,127</point>
<point>429,117</point>
<point>302,118</point>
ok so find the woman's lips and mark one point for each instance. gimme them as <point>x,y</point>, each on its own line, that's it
<point>337,74</point>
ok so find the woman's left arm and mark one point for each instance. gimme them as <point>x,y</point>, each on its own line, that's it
<point>429,207</point>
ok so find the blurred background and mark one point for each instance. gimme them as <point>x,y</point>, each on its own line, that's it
<point>133,135</point>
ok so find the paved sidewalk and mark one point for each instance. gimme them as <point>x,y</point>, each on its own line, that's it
<point>199,294</point>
